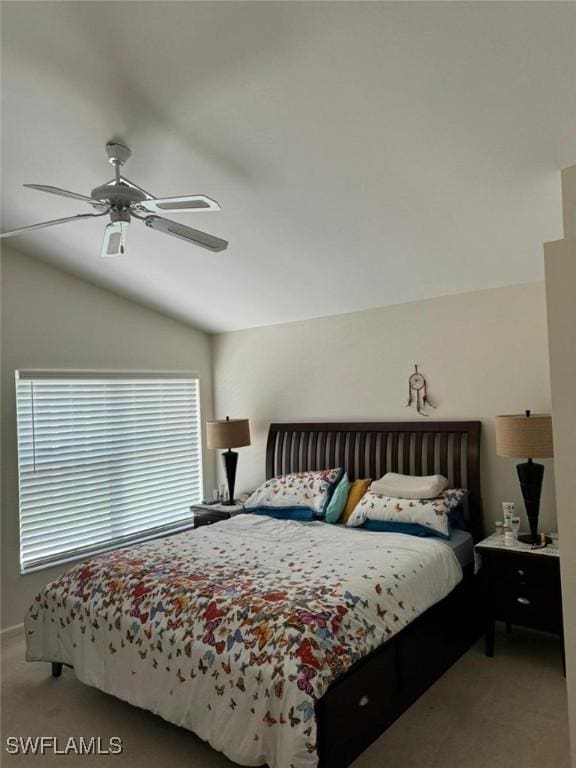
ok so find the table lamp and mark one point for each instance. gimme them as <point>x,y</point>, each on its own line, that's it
<point>524,436</point>
<point>230,433</point>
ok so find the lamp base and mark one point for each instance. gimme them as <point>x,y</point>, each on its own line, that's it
<point>230,459</point>
<point>530,475</point>
<point>527,538</point>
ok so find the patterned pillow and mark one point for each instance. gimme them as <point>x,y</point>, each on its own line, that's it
<point>425,516</point>
<point>456,511</point>
<point>303,491</point>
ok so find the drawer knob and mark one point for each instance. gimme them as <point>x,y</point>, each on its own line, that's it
<point>520,572</point>
<point>364,701</point>
<point>523,600</point>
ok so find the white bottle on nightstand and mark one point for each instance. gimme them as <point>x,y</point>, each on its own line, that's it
<point>509,511</point>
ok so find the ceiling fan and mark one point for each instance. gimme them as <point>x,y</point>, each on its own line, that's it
<point>122,200</point>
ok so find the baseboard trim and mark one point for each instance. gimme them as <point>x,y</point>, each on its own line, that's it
<point>17,629</point>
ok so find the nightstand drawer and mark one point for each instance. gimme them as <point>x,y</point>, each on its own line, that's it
<point>516,569</point>
<point>208,516</point>
<point>528,606</point>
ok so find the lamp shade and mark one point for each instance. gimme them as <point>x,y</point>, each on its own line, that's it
<point>230,433</point>
<point>524,436</point>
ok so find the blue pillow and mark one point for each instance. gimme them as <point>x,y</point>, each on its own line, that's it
<point>338,500</point>
<point>456,514</point>
<point>302,514</point>
<point>389,526</point>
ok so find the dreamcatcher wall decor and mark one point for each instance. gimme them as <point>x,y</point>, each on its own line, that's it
<point>417,392</point>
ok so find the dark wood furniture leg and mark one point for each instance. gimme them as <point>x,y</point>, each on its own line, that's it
<point>56,668</point>
<point>490,631</point>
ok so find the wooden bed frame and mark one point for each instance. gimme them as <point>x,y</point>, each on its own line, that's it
<point>361,704</point>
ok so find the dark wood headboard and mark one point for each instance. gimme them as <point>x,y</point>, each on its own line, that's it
<point>370,449</point>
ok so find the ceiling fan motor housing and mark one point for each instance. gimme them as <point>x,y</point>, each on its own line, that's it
<point>119,195</point>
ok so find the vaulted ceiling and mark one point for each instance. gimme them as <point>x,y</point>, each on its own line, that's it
<point>363,153</point>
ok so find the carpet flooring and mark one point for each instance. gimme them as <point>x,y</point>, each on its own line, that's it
<point>505,712</point>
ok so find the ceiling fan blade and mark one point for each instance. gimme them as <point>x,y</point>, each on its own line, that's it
<point>66,193</point>
<point>185,233</point>
<point>186,204</point>
<point>52,223</point>
<point>114,242</point>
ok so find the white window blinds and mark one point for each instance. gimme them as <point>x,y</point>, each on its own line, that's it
<point>104,460</point>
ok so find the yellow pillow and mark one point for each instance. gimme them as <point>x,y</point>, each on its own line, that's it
<point>357,490</point>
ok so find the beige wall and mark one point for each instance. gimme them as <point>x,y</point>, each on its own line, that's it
<point>484,353</point>
<point>53,320</point>
<point>560,260</point>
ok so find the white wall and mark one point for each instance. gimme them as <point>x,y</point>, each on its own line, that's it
<point>484,353</point>
<point>53,320</point>
<point>560,260</point>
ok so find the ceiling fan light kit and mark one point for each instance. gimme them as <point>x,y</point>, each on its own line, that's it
<point>122,200</point>
<point>114,243</point>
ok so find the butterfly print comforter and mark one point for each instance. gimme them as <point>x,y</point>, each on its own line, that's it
<point>235,630</point>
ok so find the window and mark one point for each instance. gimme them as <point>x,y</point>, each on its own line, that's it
<point>104,460</point>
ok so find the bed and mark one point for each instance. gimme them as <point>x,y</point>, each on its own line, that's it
<point>292,644</point>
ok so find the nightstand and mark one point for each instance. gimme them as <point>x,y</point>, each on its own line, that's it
<point>206,514</point>
<point>521,586</point>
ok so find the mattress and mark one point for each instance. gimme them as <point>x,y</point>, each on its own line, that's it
<point>235,630</point>
<point>462,544</point>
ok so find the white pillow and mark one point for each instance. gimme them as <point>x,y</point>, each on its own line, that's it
<point>410,486</point>
<point>418,516</point>
<point>303,490</point>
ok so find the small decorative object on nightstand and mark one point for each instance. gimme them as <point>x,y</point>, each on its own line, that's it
<point>521,586</point>
<point>231,433</point>
<point>525,436</point>
<point>206,514</point>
